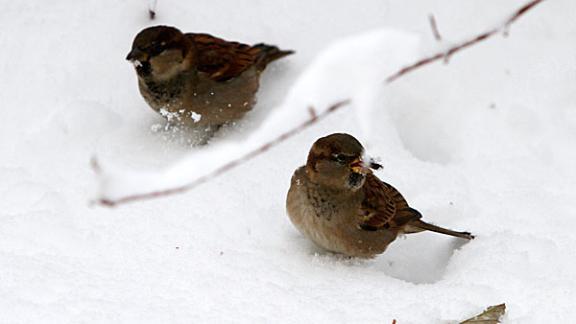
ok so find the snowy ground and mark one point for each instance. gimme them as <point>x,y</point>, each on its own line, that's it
<point>486,144</point>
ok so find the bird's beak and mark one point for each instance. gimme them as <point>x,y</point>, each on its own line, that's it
<point>358,166</point>
<point>137,56</point>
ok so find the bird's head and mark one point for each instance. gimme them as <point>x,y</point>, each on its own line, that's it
<point>160,52</point>
<point>337,161</point>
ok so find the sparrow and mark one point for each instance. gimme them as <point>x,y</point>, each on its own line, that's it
<point>198,79</point>
<point>337,202</point>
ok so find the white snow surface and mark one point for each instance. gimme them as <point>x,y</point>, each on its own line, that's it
<point>485,143</point>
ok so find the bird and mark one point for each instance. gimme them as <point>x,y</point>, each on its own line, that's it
<point>337,201</point>
<point>198,79</point>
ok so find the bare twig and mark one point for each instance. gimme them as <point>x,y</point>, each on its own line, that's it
<point>465,44</point>
<point>230,165</point>
<point>152,9</point>
<point>312,113</point>
<point>314,117</point>
<point>434,27</point>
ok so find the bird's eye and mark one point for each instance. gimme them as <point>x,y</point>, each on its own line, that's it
<point>156,48</point>
<point>340,158</point>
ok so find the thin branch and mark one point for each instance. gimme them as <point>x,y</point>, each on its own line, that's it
<point>465,44</point>
<point>226,167</point>
<point>314,117</point>
<point>434,27</point>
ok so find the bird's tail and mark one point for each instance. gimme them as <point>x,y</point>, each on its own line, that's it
<point>269,53</point>
<point>418,226</point>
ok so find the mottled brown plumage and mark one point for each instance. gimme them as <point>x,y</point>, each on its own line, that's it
<point>198,79</point>
<point>337,202</point>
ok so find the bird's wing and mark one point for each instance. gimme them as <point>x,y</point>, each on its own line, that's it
<point>223,60</point>
<point>383,207</point>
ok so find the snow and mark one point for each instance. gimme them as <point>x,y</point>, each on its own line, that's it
<point>195,116</point>
<point>485,144</point>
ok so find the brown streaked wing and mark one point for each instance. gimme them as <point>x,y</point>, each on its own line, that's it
<point>223,60</point>
<point>383,206</point>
